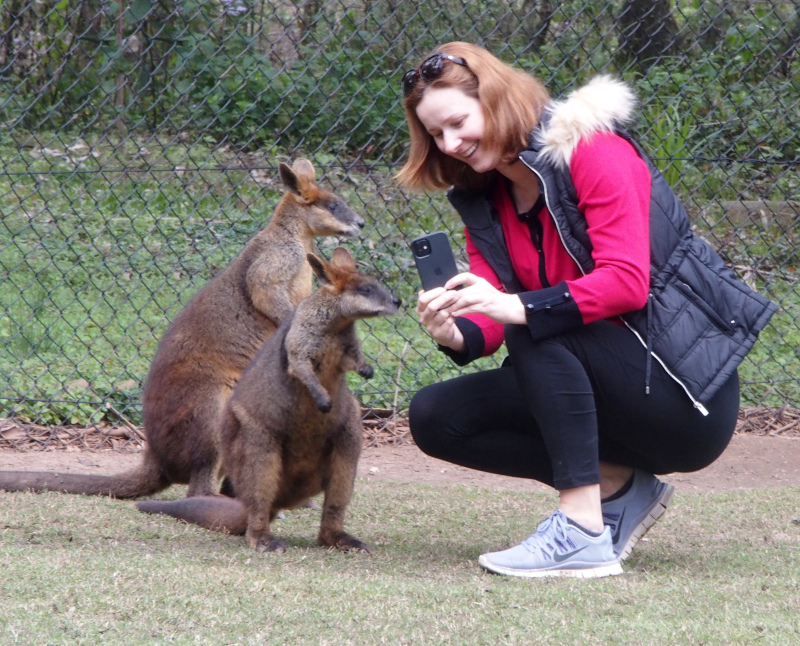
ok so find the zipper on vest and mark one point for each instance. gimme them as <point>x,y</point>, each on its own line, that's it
<point>703,410</point>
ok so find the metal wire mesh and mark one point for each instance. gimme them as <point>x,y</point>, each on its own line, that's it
<point>140,143</point>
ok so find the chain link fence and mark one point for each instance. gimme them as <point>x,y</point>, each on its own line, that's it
<point>140,141</point>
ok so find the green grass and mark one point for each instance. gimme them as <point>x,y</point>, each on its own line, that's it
<point>95,262</point>
<point>718,569</point>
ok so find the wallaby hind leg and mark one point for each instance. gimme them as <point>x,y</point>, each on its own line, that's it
<point>203,481</point>
<point>262,478</point>
<point>339,491</point>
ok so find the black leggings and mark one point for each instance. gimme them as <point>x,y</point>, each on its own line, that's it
<point>566,403</point>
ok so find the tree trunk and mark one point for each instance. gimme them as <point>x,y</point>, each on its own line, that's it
<point>8,24</point>
<point>536,21</point>
<point>648,32</point>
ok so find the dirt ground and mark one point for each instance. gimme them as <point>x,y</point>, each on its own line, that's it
<point>750,462</point>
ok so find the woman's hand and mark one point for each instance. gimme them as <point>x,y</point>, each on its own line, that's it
<point>441,325</point>
<point>438,308</point>
<point>478,296</point>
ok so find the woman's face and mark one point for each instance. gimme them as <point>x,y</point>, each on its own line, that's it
<point>455,122</point>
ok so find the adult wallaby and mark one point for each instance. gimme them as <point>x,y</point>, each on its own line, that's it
<point>210,343</point>
<point>292,428</point>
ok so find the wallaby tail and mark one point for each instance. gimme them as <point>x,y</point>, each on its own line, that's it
<point>219,513</point>
<point>144,480</point>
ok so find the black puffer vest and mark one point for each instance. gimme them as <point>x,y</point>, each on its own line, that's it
<point>700,320</point>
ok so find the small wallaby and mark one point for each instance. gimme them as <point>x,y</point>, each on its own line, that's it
<point>209,344</point>
<point>292,428</point>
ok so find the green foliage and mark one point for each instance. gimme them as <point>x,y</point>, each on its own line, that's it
<point>267,76</point>
<point>671,131</point>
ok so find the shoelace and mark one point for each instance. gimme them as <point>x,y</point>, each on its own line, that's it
<point>550,533</point>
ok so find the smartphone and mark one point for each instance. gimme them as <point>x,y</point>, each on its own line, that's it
<point>434,259</point>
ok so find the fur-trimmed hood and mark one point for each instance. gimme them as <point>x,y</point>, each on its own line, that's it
<point>599,106</point>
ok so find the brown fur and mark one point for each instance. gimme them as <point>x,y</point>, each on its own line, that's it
<point>292,428</point>
<point>210,343</point>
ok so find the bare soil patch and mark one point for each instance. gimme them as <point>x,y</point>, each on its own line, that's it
<point>750,462</point>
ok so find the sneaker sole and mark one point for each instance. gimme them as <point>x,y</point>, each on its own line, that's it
<point>610,569</point>
<point>653,514</point>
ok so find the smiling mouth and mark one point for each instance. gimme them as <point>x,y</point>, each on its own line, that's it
<point>471,150</point>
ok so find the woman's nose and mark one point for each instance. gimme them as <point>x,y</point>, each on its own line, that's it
<point>451,142</point>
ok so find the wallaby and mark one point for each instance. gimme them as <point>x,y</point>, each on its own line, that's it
<point>292,428</point>
<point>210,343</point>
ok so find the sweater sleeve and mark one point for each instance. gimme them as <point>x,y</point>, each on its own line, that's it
<point>613,187</point>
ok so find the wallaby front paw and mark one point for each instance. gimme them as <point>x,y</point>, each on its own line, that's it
<point>366,371</point>
<point>324,404</point>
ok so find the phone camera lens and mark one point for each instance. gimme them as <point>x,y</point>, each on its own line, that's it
<point>422,248</point>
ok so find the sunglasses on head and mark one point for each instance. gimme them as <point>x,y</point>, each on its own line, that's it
<point>430,70</point>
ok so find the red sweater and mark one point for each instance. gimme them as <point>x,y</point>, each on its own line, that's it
<point>613,187</point>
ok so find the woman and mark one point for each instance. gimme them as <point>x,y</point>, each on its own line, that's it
<point>583,262</point>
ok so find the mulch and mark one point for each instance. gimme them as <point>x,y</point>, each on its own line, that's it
<point>382,427</point>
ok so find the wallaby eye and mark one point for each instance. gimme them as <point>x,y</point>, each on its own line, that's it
<point>333,207</point>
<point>365,290</point>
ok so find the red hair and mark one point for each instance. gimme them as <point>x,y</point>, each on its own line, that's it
<point>512,103</point>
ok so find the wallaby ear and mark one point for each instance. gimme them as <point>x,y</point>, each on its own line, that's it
<point>342,259</point>
<point>299,179</point>
<point>303,168</point>
<point>319,266</point>
<point>288,178</point>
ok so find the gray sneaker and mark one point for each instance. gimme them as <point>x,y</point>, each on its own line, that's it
<point>557,549</point>
<point>632,514</point>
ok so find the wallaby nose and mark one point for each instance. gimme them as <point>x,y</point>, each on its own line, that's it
<point>396,300</point>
